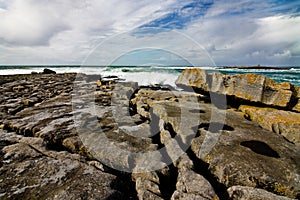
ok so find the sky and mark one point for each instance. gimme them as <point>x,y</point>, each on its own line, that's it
<point>144,32</point>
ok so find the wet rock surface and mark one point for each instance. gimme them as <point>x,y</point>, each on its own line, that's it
<point>73,136</point>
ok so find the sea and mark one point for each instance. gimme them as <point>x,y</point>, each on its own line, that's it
<point>162,75</point>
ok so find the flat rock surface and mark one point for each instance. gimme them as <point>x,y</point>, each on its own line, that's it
<point>30,171</point>
<point>281,122</point>
<point>42,156</point>
<point>246,154</point>
<point>68,136</point>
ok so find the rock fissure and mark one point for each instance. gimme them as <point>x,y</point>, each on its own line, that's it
<point>168,179</point>
<point>145,119</point>
<point>202,168</point>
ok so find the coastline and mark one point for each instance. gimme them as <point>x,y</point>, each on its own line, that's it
<point>251,155</point>
<point>164,75</point>
<point>256,67</point>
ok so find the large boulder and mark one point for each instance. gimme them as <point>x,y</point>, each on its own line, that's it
<point>249,87</point>
<point>196,78</point>
<point>48,71</point>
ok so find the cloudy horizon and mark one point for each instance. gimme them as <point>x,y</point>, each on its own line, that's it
<point>40,32</point>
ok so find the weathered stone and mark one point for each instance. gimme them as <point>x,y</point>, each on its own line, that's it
<point>193,77</point>
<point>296,92</point>
<point>147,185</point>
<point>187,196</point>
<point>75,145</point>
<point>282,122</point>
<point>246,155</point>
<point>297,106</point>
<point>245,193</point>
<point>117,123</point>
<point>250,87</point>
<point>190,184</point>
<point>29,171</point>
<point>277,94</point>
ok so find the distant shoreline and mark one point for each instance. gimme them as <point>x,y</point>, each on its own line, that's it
<point>147,75</point>
<point>255,67</point>
<point>78,66</point>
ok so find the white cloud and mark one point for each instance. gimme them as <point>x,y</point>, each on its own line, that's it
<point>42,31</point>
<point>29,22</point>
<point>278,28</point>
<point>34,22</point>
<point>244,40</point>
<point>69,29</point>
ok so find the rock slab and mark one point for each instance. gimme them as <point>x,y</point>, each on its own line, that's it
<point>281,122</point>
<point>249,87</point>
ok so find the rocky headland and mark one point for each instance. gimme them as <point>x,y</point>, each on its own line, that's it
<point>222,137</point>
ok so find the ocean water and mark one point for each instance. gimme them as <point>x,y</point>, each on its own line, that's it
<point>149,75</point>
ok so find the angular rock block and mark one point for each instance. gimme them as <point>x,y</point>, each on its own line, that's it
<point>249,87</point>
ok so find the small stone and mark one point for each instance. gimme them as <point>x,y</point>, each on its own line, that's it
<point>26,102</point>
<point>99,83</point>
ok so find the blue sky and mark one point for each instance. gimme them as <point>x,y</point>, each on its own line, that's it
<point>202,32</point>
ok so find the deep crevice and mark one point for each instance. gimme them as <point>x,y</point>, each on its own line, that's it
<point>236,102</point>
<point>155,130</point>
<point>132,107</point>
<point>202,168</point>
<point>168,182</point>
<point>168,179</point>
<point>55,146</point>
<point>123,183</point>
<point>169,127</point>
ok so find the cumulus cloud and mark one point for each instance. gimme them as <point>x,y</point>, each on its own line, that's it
<point>69,29</point>
<point>29,22</point>
<point>235,32</point>
<point>35,22</point>
<point>246,40</point>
